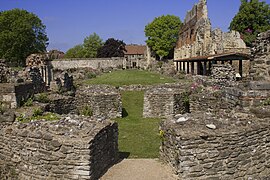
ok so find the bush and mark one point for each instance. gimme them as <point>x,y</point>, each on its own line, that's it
<point>29,102</point>
<point>86,111</point>
<point>91,75</point>
<point>42,97</point>
<point>37,112</point>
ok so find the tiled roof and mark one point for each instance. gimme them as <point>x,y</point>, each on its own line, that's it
<point>135,49</point>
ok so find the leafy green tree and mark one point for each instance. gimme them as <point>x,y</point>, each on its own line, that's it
<point>253,18</point>
<point>112,48</point>
<point>88,49</point>
<point>162,34</point>
<point>75,52</point>
<point>21,34</point>
<point>91,44</point>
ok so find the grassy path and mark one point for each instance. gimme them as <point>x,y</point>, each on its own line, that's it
<point>137,135</point>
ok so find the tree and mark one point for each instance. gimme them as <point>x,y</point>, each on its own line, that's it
<point>21,34</point>
<point>253,18</point>
<point>162,34</point>
<point>88,49</point>
<point>91,44</point>
<point>112,48</point>
<point>75,52</point>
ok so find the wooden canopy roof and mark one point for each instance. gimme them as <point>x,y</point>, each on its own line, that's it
<point>217,57</point>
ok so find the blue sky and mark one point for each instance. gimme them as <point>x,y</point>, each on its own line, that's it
<point>68,22</point>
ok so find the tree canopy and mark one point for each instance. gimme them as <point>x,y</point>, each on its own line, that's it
<point>112,48</point>
<point>75,52</point>
<point>162,34</point>
<point>21,34</point>
<point>253,18</point>
<point>88,49</point>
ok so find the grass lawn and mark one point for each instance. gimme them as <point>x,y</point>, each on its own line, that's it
<point>128,77</point>
<point>137,135</point>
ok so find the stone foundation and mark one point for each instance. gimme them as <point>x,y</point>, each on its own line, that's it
<point>12,95</point>
<point>72,148</point>
<point>162,102</point>
<point>207,147</point>
<point>104,101</point>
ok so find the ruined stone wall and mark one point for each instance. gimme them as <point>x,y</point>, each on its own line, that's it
<point>104,101</point>
<point>101,63</point>
<point>72,148</point>
<point>253,94</point>
<point>12,95</point>
<point>260,64</point>
<point>202,147</point>
<point>196,37</point>
<point>164,102</point>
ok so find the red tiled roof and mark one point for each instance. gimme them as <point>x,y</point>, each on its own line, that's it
<point>135,49</point>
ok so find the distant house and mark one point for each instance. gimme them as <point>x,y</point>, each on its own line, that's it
<point>135,55</point>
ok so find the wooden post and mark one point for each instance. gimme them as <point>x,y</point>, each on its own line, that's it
<point>188,67</point>
<point>204,68</point>
<point>177,66</point>
<point>192,68</point>
<point>241,68</point>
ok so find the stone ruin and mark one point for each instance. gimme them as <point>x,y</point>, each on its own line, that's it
<point>4,72</point>
<point>198,40</point>
<point>260,68</point>
<point>71,148</point>
<point>226,135</point>
<point>196,37</point>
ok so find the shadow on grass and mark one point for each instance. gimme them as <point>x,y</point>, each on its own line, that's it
<point>124,113</point>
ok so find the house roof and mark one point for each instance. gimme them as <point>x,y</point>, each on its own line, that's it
<point>135,49</point>
<point>220,57</point>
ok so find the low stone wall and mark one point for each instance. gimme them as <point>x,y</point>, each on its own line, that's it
<point>164,102</point>
<point>72,148</point>
<point>12,95</point>
<point>97,63</point>
<point>104,101</point>
<point>203,147</point>
<point>253,95</point>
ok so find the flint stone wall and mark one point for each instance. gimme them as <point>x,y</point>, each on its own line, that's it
<point>104,101</point>
<point>97,63</point>
<point>164,102</point>
<point>252,95</point>
<point>72,148</point>
<point>260,64</point>
<point>236,149</point>
<point>12,95</point>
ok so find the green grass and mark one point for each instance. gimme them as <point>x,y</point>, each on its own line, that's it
<point>128,77</point>
<point>137,135</point>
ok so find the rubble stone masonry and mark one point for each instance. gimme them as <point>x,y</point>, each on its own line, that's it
<point>72,148</point>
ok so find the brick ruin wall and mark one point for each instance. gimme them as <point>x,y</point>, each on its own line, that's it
<point>72,148</point>
<point>260,63</point>
<point>64,64</point>
<point>239,149</point>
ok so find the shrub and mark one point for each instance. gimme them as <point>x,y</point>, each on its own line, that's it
<point>86,111</point>
<point>29,102</point>
<point>42,97</point>
<point>91,75</point>
<point>37,112</point>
